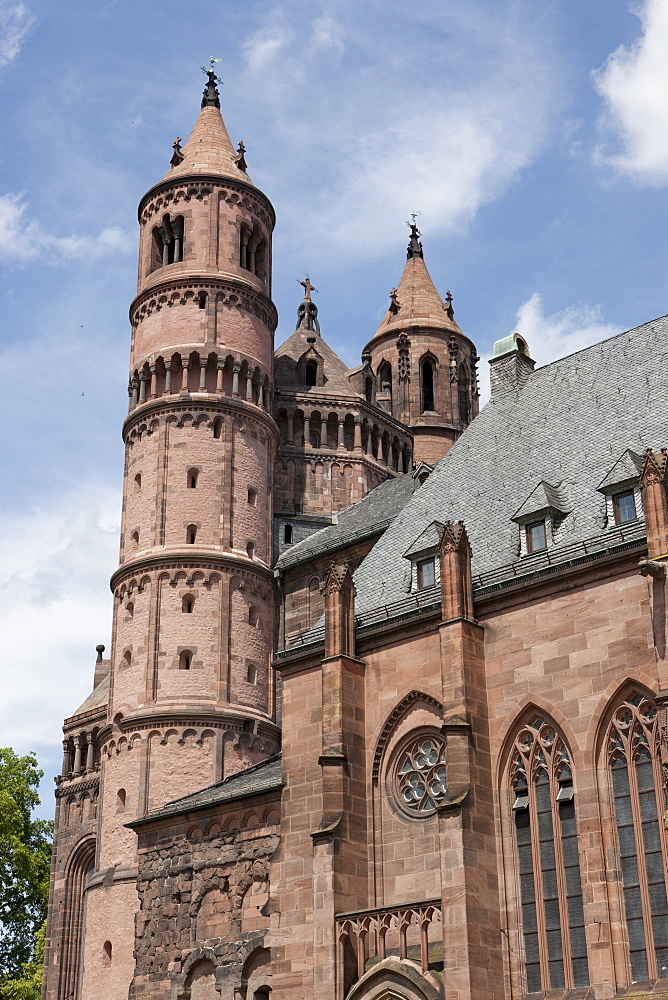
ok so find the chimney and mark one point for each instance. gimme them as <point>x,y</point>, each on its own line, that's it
<point>510,365</point>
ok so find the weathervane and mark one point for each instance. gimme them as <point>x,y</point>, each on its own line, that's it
<point>211,97</point>
<point>212,68</point>
<point>414,216</point>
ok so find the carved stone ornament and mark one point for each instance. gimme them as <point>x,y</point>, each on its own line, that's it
<point>420,780</point>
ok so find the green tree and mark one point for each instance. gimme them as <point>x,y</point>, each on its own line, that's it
<point>25,858</point>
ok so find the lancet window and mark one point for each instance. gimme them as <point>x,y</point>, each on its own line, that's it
<point>427,371</point>
<point>168,242</point>
<point>548,860</point>
<point>639,803</point>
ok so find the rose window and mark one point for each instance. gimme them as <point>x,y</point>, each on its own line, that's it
<point>420,776</point>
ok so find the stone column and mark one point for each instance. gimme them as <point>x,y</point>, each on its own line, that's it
<point>154,385</point>
<point>266,394</point>
<point>249,384</point>
<point>357,444</point>
<point>323,433</point>
<point>90,750</point>
<point>168,378</point>
<point>142,387</point>
<point>236,368</point>
<point>307,431</point>
<point>66,759</point>
<point>131,396</point>
<point>341,427</point>
<point>184,374</point>
<point>202,374</point>
<point>76,770</point>
<point>220,369</point>
<point>291,428</point>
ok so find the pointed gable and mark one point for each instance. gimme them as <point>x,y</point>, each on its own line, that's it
<point>626,471</point>
<point>543,499</point>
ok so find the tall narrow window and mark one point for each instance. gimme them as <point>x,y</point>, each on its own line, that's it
<point>135,539</point>
<point>217,427</point>
<point>191,534</point>
<point>193,475</point>
<point>138,482</point>
<point>106,954</point>
<point>426,573</point>
<point>120,800</point>
<point>536,536</point>
<point>639,804</point>
<point>368,389</point>
<point>548,861</point>
<point>188,604</point>
<point>311,372</point>
<point>385,378</point>
<point>427,385</point>
<point>185,660</point>
<point>287,534</point>
<point>464,396</point>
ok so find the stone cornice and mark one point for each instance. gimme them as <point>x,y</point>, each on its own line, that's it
<point>425,330</point>
<point>195,183</point>
<point>192,282</point>
<point>73,786</point>
<point>180,403</point>
<point>226,562</point>
<point>226,718</point>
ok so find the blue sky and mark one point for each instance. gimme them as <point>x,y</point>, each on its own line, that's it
<point>532,135</point>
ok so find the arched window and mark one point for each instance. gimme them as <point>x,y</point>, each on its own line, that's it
<point>78,867</point>
<point>250,549</point>
<point>138,482</point>
<point>633,759</point>
<point>427,370</point>
<point>191,534</point>
<point>135,539</point>
<point>314,438</point>
<point>464,396</point>
<point>385,377</point>
<point>188,604</point>
<point>192,477</point>
<point>106,954</point>
<point>548,860</point>
<point>201,298</point>
<point>217,427</point>
<point>311,373</point>
<point>130,609</point>
<point>120,800</point>
<point>185,659</point>
<point>287,534</point>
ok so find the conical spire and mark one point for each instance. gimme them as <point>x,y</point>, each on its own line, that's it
<point>209,149</point>
<point>415,302</point>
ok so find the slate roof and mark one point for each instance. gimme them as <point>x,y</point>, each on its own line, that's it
<point>263,777</point>
<point>98,698</point>
<point>368,516</point>
<point>569,424</point>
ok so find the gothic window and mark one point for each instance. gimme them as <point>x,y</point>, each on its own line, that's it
<point>427,371</point>
<point>548,860</point>
<point>420,774</point>
<point>632,749</point>
<point>464,396</point>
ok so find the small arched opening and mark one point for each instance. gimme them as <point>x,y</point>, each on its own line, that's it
<point>120,800</point>
<point>105,958</point>
<point>191,534</point>
<point>188,604</point>
<point>192,477</point>
<point>185,659</point>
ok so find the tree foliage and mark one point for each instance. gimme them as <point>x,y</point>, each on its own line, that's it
<point>25,858</point>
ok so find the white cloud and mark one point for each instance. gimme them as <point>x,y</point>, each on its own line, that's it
<point>23,239</point>
<point>16,21</point>
<point>554,335</point>
<point>364,129</point>
<point>54,609</point>
<point>634,85</point>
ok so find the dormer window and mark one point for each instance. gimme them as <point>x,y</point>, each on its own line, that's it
<point>311,373</point>
<point>426,573</point>
<point>624,507</point>
<point>536,536</point>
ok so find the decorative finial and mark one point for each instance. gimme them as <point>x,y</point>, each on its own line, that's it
<point>177,155</point>
<point>414,245</point>
<point>211,98</point>
<point>448,304</point>
<point>307,311</point>
<point>394,302</point>
<point>308,288</point>
<point>99,650</point>
<point>240,159</point>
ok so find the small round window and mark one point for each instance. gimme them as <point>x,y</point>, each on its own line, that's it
<point>420,775</point>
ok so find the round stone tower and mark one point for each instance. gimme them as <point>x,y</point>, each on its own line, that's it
<point>425,367</point>
<point>190,693</point>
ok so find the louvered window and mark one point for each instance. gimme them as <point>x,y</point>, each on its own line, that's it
<point>636,785</point>
<point>555,950</point>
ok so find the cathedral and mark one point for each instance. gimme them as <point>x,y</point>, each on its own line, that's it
<point>385,713</point>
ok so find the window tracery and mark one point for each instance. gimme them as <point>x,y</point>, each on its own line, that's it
<point>548,860</point>
<point>639,802</point>
<point>420,778</point>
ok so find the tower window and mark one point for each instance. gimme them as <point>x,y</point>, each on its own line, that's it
<point>314,439</point>
<point>464,396</point>
<point>287,534</point>
<point>253,616</point>
<point>185,660</point>
<point>426,573</point>
<point>127,659</point>
<point>202,300</point>
<point>385,378</point>
<point>428,386</point>
<point>106,954</point>
<point>536,536</point>
<point>217,427</point>
<point>311,374</point>
<point>193,475</point>
<point>120,800</point>
<point>135,539</point>
<point>251,673</point>
<point>191,534</point>
<point>252,496</point>
<point>250,549</point>
<point>138,482</point>
<point>130,608</point>
<point>624,506</point>
<point>188,604</point>
<point>368,389</point>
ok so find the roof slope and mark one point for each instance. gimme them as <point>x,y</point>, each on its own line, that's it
<point>419,304</point>
<point>263,777</point>
<point>368,516</point>
<point>287,357</point>
<point>209,150</point>
<point>568,424</point>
